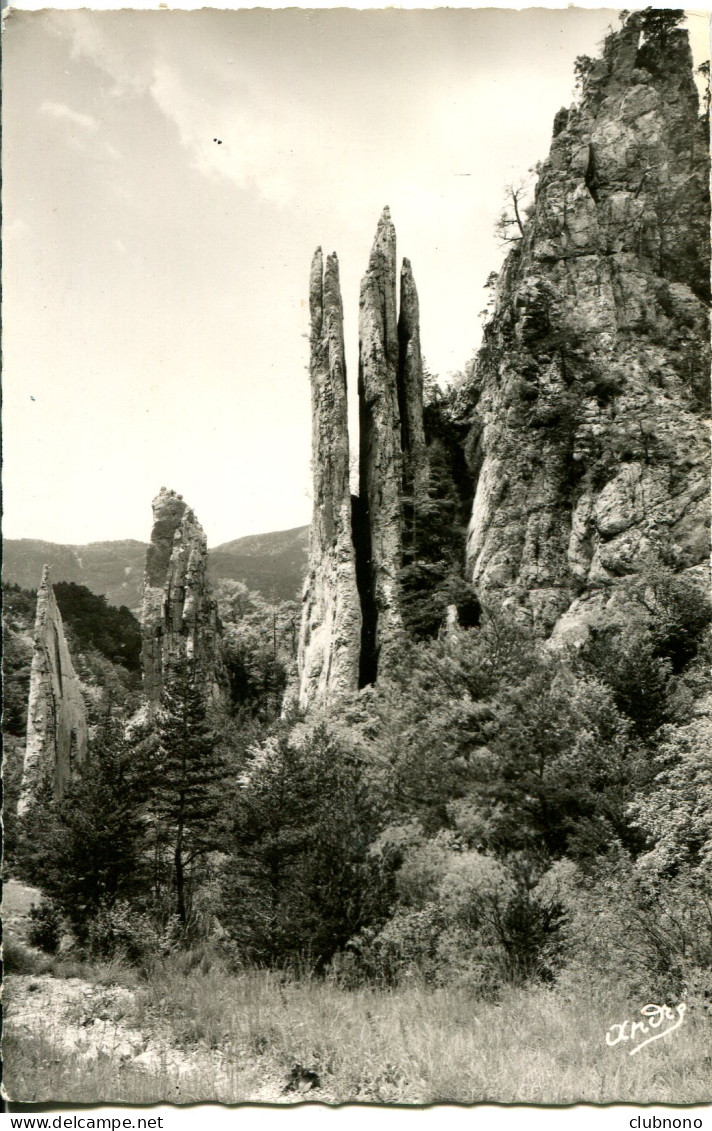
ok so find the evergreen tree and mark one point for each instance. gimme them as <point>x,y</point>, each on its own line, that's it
<point>189,781</point>
<point>300,880</point>
<point>86,851</point>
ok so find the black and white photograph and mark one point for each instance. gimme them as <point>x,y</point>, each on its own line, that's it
<point>357,620</point>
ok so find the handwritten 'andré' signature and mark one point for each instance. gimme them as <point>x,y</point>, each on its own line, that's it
<point>656,1015</point>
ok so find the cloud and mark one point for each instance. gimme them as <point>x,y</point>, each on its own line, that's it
<point>197,92</point>
<point>61,112</point>
<point>108,45</point>
<point>255,147</point>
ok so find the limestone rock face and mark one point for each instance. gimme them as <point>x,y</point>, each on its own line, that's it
<point>56,717</point>
<point>330,638</point>
<point>380,450</point>
<point>352,620</point>
<point>591,387</point>
<point>410,399</point>
<point>179,618</point>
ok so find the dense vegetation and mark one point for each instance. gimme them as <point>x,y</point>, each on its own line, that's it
<point>432,578</point>
<point>95,624</point>
<point>493,812</point>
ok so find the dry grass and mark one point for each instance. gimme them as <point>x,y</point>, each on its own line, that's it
<point>268,1037</point>
<point>36,1072</point>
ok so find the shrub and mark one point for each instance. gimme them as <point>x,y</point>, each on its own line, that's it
<point>464,918</point>
<point>45,931</point>
<point>121,931</point>
<point>407,946</point>
<point>651,935</point>
<point>676,812</point>
<point>627,662</point>
<point>19,959</point>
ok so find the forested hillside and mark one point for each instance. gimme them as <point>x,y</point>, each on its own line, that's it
<point>273,563</point>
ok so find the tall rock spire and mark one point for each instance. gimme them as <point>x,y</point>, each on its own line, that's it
<point>380,459</point>
<point>352,621</point>
<point>179,619</point>
<point>329,643</point>
<point>592,384</point>
<point>410,403</point>
<point>56,716</point>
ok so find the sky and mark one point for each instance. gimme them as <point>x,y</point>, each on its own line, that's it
<point>167,176</point>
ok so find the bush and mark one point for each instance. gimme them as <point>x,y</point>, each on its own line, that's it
<point>120,931</point>
<point>676,811</point>
<point>652,936</point>
<point>681,615</point>
<point>407,946</point>
<point>19,959</point>
<point>45,931</point>
<point>464,919</point>
<point>627,662</point>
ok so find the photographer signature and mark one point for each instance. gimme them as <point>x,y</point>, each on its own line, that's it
<point>655,1015</point>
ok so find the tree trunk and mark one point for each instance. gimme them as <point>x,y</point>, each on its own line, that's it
<point>179,877</point>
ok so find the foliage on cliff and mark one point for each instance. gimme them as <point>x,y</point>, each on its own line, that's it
<point>95,624</point>
<point>588,398</point>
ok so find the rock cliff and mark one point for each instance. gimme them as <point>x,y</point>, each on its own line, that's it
<point>56,716</point>
<point>179,618</point>
<point>329,643</point>
<point>380,451</point>
<point>352,617</point>
<point>410,401</point>
<point>591,388</point>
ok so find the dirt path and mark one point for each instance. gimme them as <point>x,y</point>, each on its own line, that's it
<point>87,1024</point>
<point>17,900</point>
<point>84,1022</point>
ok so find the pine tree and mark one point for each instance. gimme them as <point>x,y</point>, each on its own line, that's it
<point>86,850</point>
<point>189,780</point>
<point>300,882</point>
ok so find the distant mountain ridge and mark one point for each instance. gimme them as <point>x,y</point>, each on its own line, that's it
<point>274,563</point>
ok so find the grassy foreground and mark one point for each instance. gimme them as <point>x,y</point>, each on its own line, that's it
<point>267,1037</point>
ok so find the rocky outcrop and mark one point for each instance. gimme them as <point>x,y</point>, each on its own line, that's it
<point>591,389</point>
<point>179,617</point>
<point>352,619</point>
<point>380,452</point>
<point>410,402</point>
<point>56,717</point>
<point>329,643</point>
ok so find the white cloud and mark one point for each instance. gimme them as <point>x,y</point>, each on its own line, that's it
<point>233,136</point>
<point>94,39</point>
<point>65,113</point>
